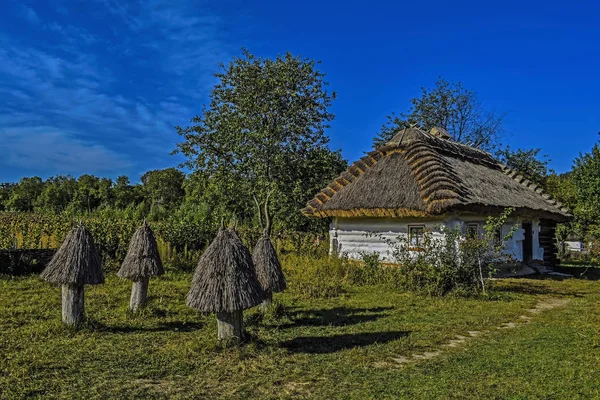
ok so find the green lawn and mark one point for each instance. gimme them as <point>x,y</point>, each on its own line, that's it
<point>336,348</point>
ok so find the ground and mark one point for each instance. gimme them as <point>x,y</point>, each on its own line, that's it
<point>532,338</point>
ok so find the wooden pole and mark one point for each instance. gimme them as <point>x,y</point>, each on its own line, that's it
<point>139,294</point>
<point>230,325</point>
<point>72,304</point>
<point>266,304</point>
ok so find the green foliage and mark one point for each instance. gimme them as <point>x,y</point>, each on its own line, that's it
<point>24,194</point>
<point>261,137</point>
<point>58,193</point>
<point>450,106</point>
<point>315,277</point>
<point>163,188</point>
<point>179,244</point>
<point>562,188</point>
<point>586,177</point>
<point>451,263</point>
<point>527,163</point>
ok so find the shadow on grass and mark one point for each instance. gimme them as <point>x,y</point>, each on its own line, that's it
<point>174,326</point>
<point>338,316</point>
<point>589,272</point>
<point>524,285</point>
<point>332,344</point>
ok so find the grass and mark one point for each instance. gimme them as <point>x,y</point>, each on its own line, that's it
<point>331,348</point>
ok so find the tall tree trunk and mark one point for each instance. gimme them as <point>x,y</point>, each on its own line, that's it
<point>230,325</point>
<point>260,221</point>
<point>72,304</point>
<point>268,223</point>
<point>139,294</point>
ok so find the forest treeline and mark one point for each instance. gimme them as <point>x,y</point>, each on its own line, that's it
<point>166,194</point>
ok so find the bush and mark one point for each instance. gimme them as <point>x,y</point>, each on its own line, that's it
<point>309,277</point>
<point>451,263</point>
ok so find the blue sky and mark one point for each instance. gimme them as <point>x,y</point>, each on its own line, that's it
<point>97,86</point>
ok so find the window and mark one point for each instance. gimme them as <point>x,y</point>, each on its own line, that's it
<point>498,239</point>
<point>416,236</point>
<point>472,230</point>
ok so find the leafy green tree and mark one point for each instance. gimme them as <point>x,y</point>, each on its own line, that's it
<point>528,163</point>
<point>105,186</point>
<point>164,187</point>
<point>25,194</point>
<point>123,193</point>
<point>88,195</point>
<point>58,193</point>
<point>318,170</point>
<point>586,177</point>
<point>265,118</point>
<point>5,194</point>
<point>450,106</point>
<point>562,188</point>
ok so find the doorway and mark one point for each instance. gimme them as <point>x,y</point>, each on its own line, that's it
<point>527,243</point>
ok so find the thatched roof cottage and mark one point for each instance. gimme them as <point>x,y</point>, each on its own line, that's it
<point>423,180</point>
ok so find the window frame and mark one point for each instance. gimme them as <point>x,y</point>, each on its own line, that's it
<point>420,245</point>
<point>477,231</point>
<point>498,238</point>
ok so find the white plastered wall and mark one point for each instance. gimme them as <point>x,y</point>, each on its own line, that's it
<point>354,236</point>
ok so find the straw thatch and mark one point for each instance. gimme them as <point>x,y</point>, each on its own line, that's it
<point>142,259</point>
<point>268,268</point>
<point>77,262</point>
<point>418,174</point>
<point>225,279</point>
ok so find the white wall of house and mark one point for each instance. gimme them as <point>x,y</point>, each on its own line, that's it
<point>357,236</point>
<point>574,246</point>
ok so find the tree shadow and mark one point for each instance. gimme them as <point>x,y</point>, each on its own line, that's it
<point>525,288</point>
<point>338,316</point>
<point>588,273</point>
<point>523,285</point>
<point>332,344</point>
<point>173,326</point>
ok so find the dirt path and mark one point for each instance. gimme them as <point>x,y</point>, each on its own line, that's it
<point>460,340</point>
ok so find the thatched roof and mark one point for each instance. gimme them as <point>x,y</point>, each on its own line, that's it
<point>419,174</point>
<point>77,261</point>
<point>225,279</point>
<point>142,259</point>
<point>268,268</point>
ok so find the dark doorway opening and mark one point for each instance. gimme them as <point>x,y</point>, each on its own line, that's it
<point>527,243</point>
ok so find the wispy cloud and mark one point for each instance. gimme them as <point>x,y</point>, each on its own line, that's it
<point>45,148</point>
<point>30,14</point>
<point>107,99</point>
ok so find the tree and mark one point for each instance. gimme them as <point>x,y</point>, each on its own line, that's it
<point>5,194</point>
<point>452,107</point>
<point>24,195</point>
<point>164,187</point>
<point>586,177</point>
<point>562,188</point>
<point>90,193</point>
<point>527,163</point>
<point>123,193</point>
<point>265,118</point>
<point>59,192</point>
